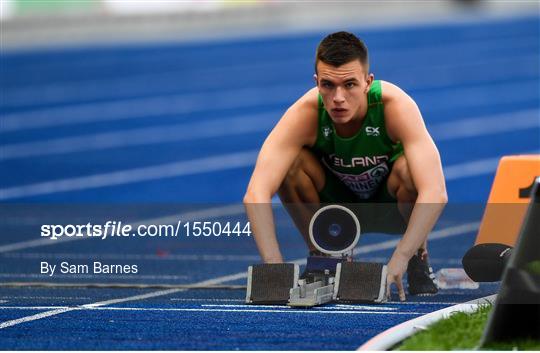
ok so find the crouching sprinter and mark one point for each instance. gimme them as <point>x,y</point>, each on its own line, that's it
<point>352,139</point>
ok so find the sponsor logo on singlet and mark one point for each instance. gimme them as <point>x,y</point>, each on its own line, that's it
<point>364,185</point>
<point>367,161</point>
<point>372,131</point>
<point>327,131</point>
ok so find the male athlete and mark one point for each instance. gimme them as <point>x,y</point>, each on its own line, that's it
<point>351,139</point>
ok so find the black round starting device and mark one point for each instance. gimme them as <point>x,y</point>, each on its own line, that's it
<point>334,230</point>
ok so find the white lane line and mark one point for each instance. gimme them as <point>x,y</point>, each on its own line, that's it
<point>27,244</point>
<point>462,74</point>
<point>469,127</point>
<point>472,168</point>
<point>31,298</point>
<point>440,234</point>
<point>421,303</point>
<point>461,229</point>
<point>476,168</point>
<point>91,276</point>
<point>34,317</point>
<point>32,243</point>
<point>195,166</point>
<point>128,176</point>
<point>148,107</point>
<point>214,310</point>
<point>208,300</point>
<point>486,125</point>
<point>153,257</point>
<point>208,213</point>
<point>334,307</point>
<point>142,136</point>
<point>228,99</point>
<point>132,298</point>
<point>136,84</point>
<point>54,312</point>
<point>288,311</point>
<point>39,307</point>
<point>432,260</point>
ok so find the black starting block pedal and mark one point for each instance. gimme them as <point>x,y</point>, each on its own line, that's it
<point>360,282</point>
<point>271,283</point>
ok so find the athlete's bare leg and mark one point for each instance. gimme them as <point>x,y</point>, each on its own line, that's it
<point>401,186</point>
<point>299,191</point>
<point>306,178</point>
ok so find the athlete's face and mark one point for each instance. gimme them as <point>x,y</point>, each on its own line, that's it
<point>344,90</point>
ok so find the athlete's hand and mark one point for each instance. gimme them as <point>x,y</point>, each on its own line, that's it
<point>396,268</point>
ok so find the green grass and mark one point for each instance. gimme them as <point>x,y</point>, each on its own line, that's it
<point>460,332</point>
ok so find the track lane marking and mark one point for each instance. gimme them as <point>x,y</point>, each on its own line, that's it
<point>241,125</point>
<point>54,312</point>
<point>197,166</point>
<point>127,109</point>
<point>41,297</point>
<point>333,307</point>
<point>178,257</point>
<point>208,299</point>
<point>243,301</point>
<point>168,257</point>
<point>62,92</point>
<point>134,108</point>
<point>468,127</point>
<point>288,311</point>
<point>35,307</point>
<point>90,276</point>
<point>34,317</point>
<point>439,234</point>
<point>129,176</point>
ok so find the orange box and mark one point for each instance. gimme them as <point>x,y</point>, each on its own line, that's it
<point>508,199</point>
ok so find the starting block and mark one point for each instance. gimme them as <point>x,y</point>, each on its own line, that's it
<point>334,230</point>
<point>331,280</point>
<point>271,283</point>
<point>360,282</point>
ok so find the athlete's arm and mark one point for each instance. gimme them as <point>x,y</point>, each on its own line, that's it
<point>404,123</point>
<point>296,129</point>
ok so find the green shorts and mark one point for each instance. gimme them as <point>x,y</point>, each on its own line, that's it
<point>378,214</point>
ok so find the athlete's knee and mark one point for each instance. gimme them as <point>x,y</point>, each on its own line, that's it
<point>305,173</point>
<point>292,178</point>
<point>400,182</point>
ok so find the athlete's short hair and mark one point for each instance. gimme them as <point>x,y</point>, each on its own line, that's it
<point>340,48</point>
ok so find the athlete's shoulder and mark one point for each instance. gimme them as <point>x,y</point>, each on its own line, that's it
<point>299,123</point>
<point>306,107</point>
<point>392,93</point>
<point>310,100</point>
<point>401,113</point>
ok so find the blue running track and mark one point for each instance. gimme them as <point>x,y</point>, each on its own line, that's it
<point>176,127</point>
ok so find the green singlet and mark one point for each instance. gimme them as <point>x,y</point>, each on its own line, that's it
<point>357,167</point>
